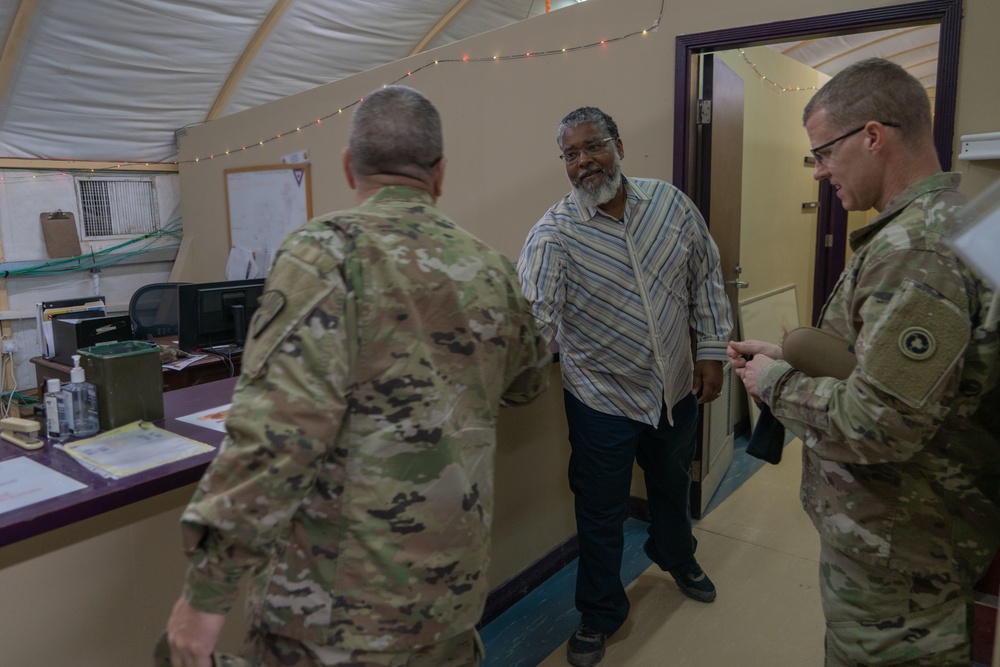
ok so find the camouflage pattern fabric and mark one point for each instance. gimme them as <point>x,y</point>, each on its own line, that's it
<point>355,483</point>
<point>462,650</point>
<point>879,616</point>
<point>899,471</point>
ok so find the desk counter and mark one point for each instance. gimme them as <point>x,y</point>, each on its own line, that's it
<point>102,494</point>
<point>211,368</point>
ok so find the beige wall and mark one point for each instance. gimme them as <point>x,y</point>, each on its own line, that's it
<point>777,237</point>
<point>500,120</point>
<point>97,593</point>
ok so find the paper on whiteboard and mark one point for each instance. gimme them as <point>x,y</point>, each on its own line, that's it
<point>243,265</point>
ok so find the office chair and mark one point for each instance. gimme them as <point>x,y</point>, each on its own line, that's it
<point>154,310</point>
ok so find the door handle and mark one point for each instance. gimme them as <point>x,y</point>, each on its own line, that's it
<point>740,284</point>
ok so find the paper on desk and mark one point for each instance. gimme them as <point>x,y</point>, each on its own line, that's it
<point>181,364</point>
<point>213,418</point>
<point>24,482</point>
<point>133,448</point>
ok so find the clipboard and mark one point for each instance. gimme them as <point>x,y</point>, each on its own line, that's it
<point>59,232</point>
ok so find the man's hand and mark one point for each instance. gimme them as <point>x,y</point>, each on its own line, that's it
<point>707,380</point>
<point>738,351</point>
<point>192,635</point>
<point>749,359</point>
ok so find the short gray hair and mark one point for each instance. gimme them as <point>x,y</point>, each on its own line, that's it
<point>587,115</point>
<point>873,89</point>
<point>395,130</point>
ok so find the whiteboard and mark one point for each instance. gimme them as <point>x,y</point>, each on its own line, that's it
<point>264,204</point>
<point>768,317</point>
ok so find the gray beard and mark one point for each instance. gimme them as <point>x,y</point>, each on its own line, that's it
<point>592,197</point>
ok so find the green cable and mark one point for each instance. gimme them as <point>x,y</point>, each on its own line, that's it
<point>172,230</point>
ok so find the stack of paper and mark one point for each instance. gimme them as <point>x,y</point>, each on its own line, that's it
<point>132,448</point>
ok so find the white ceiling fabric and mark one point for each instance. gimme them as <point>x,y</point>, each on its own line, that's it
<point>915,49</point>
<point>113,80</point>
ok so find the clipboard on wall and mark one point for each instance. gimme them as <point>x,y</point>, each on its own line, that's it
<point>59,232</point>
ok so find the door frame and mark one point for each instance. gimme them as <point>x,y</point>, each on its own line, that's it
<point>946,12</point>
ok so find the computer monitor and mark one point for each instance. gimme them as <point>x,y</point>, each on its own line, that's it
<point>214,315</point>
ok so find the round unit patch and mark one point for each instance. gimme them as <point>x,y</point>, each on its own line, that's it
<point>917,343</point>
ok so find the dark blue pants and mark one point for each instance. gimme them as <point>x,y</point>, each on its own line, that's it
<point>604,448</point>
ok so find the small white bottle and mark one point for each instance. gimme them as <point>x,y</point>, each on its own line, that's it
<point>82,413</point>
<point>56,408</point>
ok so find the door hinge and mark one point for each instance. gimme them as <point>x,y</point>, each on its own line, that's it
<point>695,471</point>
<point>828,241</point>
<point>704,112</point>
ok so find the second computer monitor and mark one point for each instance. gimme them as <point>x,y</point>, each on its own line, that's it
<point>213,315</point>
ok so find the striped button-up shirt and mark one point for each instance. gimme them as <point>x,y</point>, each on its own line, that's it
<point>577,271</point>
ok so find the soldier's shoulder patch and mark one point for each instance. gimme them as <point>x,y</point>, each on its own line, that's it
<point>271,305</point>
<point>917,343</point>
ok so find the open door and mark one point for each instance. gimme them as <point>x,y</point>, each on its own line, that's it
<point>720,156</point>
<point>703,152</point>
<point>690,167</point>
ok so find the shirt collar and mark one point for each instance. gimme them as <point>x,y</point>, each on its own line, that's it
<point>943,180</point>
<point>401,193</point>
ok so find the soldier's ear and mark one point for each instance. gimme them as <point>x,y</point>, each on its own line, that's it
<point>346,157</point>
<point>439,176</point>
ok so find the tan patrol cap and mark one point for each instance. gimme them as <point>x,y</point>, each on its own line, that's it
<point>819,353</point>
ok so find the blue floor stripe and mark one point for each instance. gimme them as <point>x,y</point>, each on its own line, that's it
<point>535,626</point>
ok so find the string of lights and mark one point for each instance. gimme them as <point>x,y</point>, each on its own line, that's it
<point>436,63</point>
<point>774,84</point>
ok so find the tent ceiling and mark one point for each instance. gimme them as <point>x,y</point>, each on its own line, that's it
<point>914,48</point>
<point>108,80</point>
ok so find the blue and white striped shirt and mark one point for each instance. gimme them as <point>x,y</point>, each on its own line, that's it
<point>576,272</point>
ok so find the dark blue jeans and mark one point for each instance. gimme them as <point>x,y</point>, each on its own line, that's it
<point>600,476</point>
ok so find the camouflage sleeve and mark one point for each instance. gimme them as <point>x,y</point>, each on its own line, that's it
<point>527,365</point>
<point>284,421</point>
<point>913,331</point>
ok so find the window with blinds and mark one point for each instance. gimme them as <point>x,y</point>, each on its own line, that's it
<point>117,206</point>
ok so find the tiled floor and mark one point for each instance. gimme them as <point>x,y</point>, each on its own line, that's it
<point>760,550</point>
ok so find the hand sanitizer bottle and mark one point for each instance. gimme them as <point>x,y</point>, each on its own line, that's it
<point>82,417</point>
<point>56,407</point>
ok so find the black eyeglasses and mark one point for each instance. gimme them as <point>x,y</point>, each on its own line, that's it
<point>592,148</point>
<point>819,158</point>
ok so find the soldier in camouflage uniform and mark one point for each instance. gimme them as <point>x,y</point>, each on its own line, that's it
<point>355,484</point>
<point>900,473</point>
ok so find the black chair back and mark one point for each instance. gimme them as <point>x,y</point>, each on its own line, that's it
<point>154,310</point>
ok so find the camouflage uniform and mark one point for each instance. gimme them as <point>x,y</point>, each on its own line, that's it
<point>355,484</point>
<point>899,475</point>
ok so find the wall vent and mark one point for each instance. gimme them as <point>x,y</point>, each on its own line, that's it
<point>117,206</point>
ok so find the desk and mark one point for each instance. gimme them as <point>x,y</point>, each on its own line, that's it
<point>101,494</point>
<point>89,577</point>
<point>211,368</point>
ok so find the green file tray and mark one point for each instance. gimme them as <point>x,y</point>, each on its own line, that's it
<point>129,381</point>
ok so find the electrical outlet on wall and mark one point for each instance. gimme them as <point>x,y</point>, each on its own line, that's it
<point>9,346</point>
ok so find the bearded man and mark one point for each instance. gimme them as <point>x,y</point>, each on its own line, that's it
<point>621,273</point>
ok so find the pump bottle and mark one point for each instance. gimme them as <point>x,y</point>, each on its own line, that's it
<point>82,413</point>
<point>56,410</point>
